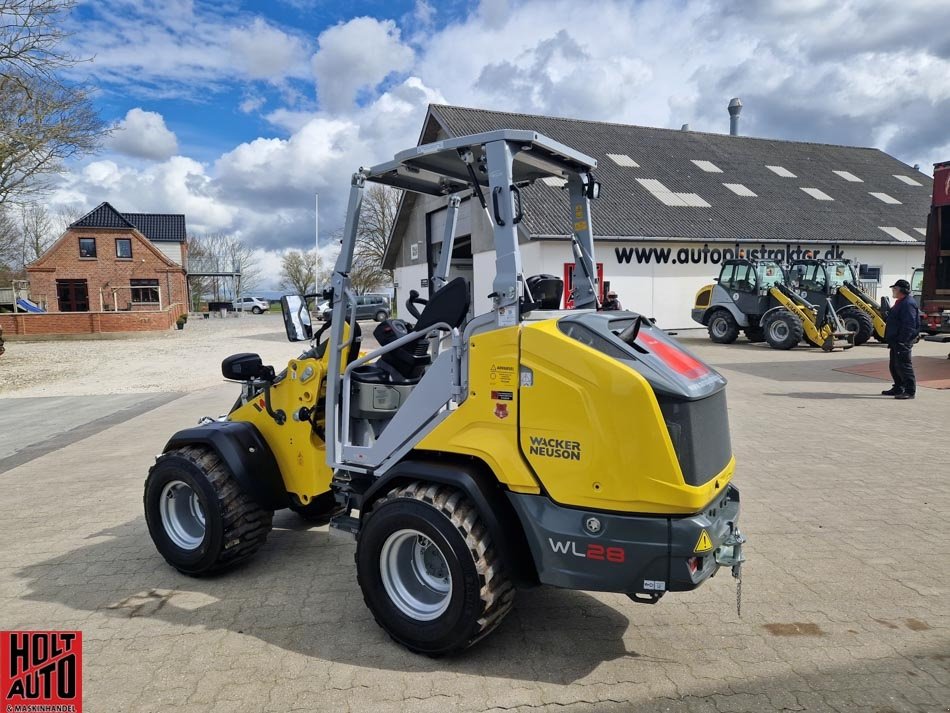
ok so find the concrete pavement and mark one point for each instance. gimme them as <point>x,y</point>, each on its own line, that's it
<point>846,599</point>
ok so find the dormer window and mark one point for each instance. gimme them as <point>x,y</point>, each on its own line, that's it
<point>87,247</point>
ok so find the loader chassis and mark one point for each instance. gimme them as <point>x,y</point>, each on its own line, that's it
<point>471,457</point>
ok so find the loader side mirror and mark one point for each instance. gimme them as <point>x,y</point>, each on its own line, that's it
<point>297,320</point>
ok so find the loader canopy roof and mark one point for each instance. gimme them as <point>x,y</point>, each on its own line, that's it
<point>438,169</point>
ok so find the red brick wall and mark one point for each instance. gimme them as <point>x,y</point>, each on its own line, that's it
<point>88,322</point>
<point>105,271</point>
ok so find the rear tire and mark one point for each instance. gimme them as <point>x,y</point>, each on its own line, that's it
<point>257,310</point>
<point>319,510</point>
<point>199,518</point>
<point>429,571</point>
<point>380,316</point>
<point>723,328</point>
<point>857,322</point>
<point>783,329</point>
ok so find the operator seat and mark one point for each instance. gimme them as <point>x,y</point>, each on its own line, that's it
<point>407,364</point>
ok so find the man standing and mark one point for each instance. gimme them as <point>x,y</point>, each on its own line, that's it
<point>900,333</point>
<point>611,303</point>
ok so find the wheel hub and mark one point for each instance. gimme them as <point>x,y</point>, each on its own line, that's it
<point>183,518</point>
<point>416,575</point>
<point>779,330</point>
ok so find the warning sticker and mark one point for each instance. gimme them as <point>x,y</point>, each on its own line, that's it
<point>503,395</point>
<point>501,375</point>
<point>704,544</point>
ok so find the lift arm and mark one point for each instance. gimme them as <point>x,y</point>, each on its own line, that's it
<point>860,299</point>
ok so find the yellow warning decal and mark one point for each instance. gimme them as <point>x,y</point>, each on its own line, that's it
<point>704,544</point>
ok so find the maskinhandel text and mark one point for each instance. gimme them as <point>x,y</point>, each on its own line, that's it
<point>706,255</point>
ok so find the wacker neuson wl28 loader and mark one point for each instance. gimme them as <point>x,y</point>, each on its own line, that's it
<point>468,458</point>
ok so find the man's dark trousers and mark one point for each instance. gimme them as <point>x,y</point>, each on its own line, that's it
<point>902,371</point>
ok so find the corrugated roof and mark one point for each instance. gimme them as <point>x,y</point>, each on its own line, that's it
<point>781,211</point>
<point>157,227</point>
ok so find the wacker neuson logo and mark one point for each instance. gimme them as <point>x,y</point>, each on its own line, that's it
<point>555,448</point>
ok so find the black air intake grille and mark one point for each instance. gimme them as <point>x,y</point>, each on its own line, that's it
<point>700,434</point>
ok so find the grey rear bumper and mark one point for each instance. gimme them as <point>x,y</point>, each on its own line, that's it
<point>630,554</point>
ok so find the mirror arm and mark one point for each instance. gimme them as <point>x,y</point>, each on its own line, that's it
<point>279,416</point>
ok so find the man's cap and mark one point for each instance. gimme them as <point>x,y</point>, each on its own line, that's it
<point>902,285</point>
<point>611,294</point>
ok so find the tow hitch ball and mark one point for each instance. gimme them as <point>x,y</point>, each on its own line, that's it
<point>729,554</point>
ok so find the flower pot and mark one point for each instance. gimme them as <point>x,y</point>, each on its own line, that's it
<point>180,325</point>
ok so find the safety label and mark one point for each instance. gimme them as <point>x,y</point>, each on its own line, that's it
<point>704,544</point>
<point>503,395</point>
<point>501,375</point>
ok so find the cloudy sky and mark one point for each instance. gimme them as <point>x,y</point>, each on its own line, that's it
<point>236,113</point>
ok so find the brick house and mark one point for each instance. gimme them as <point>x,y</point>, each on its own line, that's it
<point>109,261</point>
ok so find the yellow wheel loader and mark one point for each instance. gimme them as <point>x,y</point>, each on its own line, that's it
<point>468,458</point>
<point>836,281</point>
<point>753,296</point>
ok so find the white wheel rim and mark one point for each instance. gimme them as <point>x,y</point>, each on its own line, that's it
<point>416,575</point>
<point>779,331</point>
<point>182,516</point>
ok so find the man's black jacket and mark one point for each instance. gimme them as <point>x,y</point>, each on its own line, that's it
<point>903,322</point>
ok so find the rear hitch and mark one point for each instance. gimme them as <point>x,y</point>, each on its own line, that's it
<point>729,554</point>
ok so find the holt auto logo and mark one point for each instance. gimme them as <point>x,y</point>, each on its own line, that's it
<point>41,671</point>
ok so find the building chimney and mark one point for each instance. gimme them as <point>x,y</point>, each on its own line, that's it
<point>684,127</point>
<point>735,107</point>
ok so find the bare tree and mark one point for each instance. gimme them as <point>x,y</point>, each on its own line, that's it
<point>9,246</point>
<point>222,253</point>
<point>43,121</point>
<point>298,271</point>
<point>380,204</point>
<point>36,232</point>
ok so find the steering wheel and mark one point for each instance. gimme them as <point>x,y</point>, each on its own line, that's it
<point>415,299</point>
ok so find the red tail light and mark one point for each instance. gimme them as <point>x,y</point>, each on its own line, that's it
<point>678,361</point>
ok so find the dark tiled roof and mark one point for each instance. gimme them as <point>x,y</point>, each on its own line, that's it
<point>157,227</point>
<point>102,216</point>
<point>781,211</point>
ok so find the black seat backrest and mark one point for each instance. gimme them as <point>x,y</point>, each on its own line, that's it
<point>449,304</point>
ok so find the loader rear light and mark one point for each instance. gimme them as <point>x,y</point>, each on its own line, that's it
<point>678,360</point>
<point>694,564</point>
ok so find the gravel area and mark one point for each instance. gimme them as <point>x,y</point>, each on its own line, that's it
<point>175,360</point>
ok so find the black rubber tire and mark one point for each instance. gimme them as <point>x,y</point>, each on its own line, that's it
<point>783,329</point>
<point>878,337</point>
<point>723,328</point>
<point>381,315</point>
<point>235,526</point>
<point>257,310</point>
<point>319,510</point>
<point>755,334</point>
<point>858,322</point>
<point>482,593</point>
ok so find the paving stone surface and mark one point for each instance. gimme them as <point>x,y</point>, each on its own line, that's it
<point>846,598</point>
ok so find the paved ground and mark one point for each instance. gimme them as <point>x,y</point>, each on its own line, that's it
<point>846,596</point>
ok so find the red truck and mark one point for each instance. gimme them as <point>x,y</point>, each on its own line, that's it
<point>935,297</point>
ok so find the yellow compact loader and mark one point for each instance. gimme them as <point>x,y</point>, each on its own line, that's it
<point>754,296</point>
<point>469,457</point>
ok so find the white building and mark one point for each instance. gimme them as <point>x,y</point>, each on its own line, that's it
<point>673,205</point>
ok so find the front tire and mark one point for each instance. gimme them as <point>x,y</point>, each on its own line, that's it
<point>199,518</point>
<point>428,570</point>
<point>723,328</point>
<point>783,329</point>
<point>257,310</point>
<point>380,316</point>
<point>857,322</point>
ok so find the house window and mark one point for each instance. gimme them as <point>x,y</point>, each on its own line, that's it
<point>87,247</point>
<point>144,291</point>
<point>870,273</point>
<point>123,247</point>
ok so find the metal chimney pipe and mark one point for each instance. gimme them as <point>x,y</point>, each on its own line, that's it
<point>735,107</point>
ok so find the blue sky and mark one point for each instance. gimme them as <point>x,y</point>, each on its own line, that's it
<point>236,113</point>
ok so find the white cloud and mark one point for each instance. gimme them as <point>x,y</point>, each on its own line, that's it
<point>266,52</point>
<point>143,134</point>
<point>251,104</point>
<point>356,56</point>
